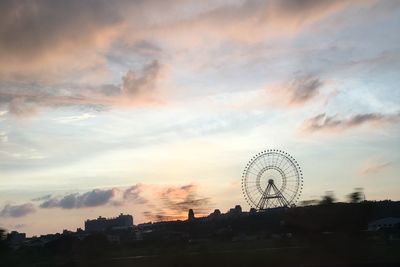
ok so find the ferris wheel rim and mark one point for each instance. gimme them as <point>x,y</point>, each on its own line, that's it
<point>296,180</point>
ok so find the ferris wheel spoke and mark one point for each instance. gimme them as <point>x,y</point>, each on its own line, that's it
<point>289,166</point>
<point>285,164</point>
<point>293,179</point>
<point>265,162</point>
<point>280,163</point>
<point>292,176</point>
<point>261,162</point>
<point>273,159</point>
<point>253,173</point>
<point>253,190</point>
<point>256,167</point>
<point>287,189</point>
<point>269,159</point>
<point>285,192</point>
<point>290,170</point>
<point>278,160</point>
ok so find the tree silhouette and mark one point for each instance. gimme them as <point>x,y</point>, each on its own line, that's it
<point>356,196</point>
<point>3,244</point>
<point>329,198</point>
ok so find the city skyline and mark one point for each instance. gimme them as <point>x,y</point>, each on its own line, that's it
<point>152,108</point>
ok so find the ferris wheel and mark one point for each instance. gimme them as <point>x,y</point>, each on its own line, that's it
<point>272,179</point>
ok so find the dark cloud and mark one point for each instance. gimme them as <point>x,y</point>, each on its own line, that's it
<point>93,198</point>
<point>134,83</point>
<point>323,122</point>
<point>50,203</point>
<point>304,89</point>
<point>134,194</point>
<point>44,43</point>
<point>45,197</point>
<point>17,210</point>
<point>183,198</point>
<point>30,30</point>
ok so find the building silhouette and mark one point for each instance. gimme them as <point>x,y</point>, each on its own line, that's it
<point>236,211</point>
<point>191,215</point>
<point>102,224</point>
<point>16,239</point>
<point>384,223</point>
<point>215,214</point>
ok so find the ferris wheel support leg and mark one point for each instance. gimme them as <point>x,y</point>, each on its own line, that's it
<point>264,198</point>
<point>281,197</point>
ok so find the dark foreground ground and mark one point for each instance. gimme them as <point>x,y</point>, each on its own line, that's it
<point>336,252</point>
<point>288,256</point>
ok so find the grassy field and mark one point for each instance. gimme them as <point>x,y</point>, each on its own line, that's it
<point>250,253</point>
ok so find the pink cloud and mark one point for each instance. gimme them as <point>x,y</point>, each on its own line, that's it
<point>298,92</point>
<point>372,167</point>
<point>325,123</point>
<point>138,88</point>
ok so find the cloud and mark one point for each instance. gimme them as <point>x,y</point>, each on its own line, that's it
<point>137,88</point>
<point>3,137</point>
<point>304,89</point>
<point>77,118</point>
<point>245,22</point>
<point>373,167</point>
<point>45,197</point>
<point>323,122</point>
<point>134,194</point>
<point>35,35</point>
<point>45,43</point>
<point>158,202</point>
<point>301,90</point>
<point>18,106</point>
<point>42,40</point>
<point>92,198</point>
<point>17,210</point>
<point>134,84</point>
<point>42,30</point>
<point>175,201</point>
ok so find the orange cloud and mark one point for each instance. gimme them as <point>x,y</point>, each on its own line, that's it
<point>175,201</point>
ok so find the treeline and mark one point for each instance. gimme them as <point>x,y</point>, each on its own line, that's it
<point>343,223</point>
<point>326,217</point>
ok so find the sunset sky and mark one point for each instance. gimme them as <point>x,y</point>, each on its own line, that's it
<point>153,107</point>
